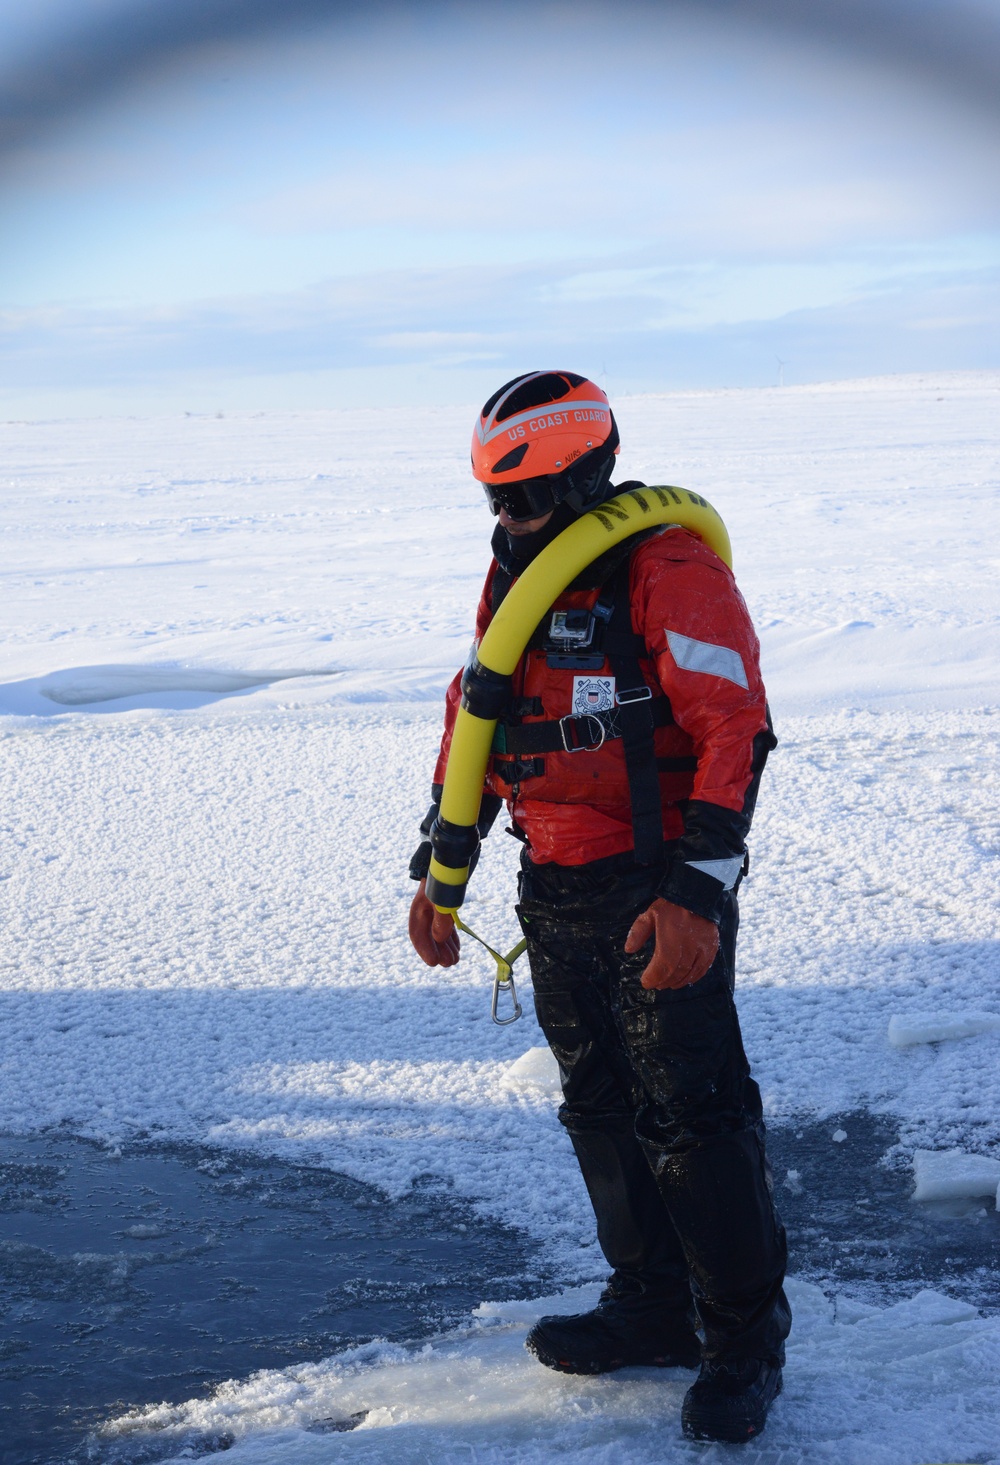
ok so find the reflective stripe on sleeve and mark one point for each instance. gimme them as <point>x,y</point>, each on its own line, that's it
<point>725,871</point>
<point>715,661</point>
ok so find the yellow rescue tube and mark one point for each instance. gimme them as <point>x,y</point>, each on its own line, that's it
<point>486,684</point>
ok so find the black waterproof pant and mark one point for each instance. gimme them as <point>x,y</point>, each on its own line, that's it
<point>664,1117</point>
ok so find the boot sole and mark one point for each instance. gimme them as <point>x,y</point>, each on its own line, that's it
<point>693,1430</point>
<point>604,1365</point>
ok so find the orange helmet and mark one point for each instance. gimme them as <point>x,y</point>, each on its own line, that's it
<point>545,438</point>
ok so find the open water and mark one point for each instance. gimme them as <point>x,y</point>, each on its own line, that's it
<point>131,1278</point>
<point>127,1278</point>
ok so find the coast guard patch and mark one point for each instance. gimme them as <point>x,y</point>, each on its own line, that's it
<point>593,694</point>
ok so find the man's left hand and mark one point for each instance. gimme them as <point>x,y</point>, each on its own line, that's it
<point>686,945</point>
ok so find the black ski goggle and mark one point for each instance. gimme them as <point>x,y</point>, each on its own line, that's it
<point>529,499</point>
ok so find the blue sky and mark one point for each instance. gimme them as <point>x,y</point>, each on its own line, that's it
<point>411,203</point>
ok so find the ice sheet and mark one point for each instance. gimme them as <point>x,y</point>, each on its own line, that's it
<point>203,890</point>
<point>865,1386</point>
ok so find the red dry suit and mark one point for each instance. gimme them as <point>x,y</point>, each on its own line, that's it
<point>701,653</point>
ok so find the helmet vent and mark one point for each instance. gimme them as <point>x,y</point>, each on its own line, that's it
<point>510,460</point>
<point>537,390</point>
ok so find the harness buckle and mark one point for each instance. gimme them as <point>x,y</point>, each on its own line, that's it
<point>634,694</point>
<point>582,747</point>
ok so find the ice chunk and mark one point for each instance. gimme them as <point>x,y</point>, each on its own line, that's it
<point>838,1136</point>
<point>949,1174</point>
<point>533,1071</point>
<point>851,1310</point>
<point>524,1312</point>
<point>927,1308</point>
<point>938,1027</point>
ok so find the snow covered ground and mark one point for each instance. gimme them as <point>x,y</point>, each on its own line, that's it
<point>224,646</point>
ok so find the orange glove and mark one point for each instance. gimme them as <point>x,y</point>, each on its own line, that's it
<point>686,945</point>
<point>433,935</point>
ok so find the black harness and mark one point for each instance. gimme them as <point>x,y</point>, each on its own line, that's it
<point>584,640</point>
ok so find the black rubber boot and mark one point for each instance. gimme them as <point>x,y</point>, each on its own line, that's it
<point>729,1400</point>
<point>634,1230</point>
<point>645,1315</point>
<point>719,1196</point>
<point>620,1332</point>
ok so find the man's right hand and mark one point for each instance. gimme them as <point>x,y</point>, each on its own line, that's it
<point>686,945</point>
<point>433,934</point>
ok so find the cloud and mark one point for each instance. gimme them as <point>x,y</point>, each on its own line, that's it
<point>328,156</point>
<point>75,53</point>
<point>72,55</point>
<point>711,293</point>
<point>416,324</point>
<point>950,45</point>
<point>707,185</point>
<point>685,186</point>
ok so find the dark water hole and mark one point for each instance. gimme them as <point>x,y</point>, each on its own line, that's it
<point>154,1274</point>
<point>128,1279</point>
<point>852,1224</point>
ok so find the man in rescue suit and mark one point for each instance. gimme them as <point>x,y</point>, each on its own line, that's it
<point>629,758</point>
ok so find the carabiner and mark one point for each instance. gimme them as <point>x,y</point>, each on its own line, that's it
<point>507,984</point>
<point>505,974</point>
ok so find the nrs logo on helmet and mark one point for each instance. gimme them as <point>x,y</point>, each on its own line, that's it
<point>561,456</point>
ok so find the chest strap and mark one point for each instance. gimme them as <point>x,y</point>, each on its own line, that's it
<point>585,733</point>
<point>636,719</point>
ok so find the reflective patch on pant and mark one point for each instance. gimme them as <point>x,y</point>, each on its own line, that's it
<point>714,661</point>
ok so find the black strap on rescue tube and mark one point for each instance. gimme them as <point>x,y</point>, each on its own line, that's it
<point>485,693</point>
<point>634,699</point>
